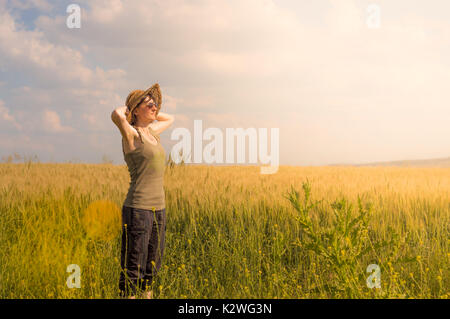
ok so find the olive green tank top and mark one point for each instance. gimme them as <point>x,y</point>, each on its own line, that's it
<point>146,166</point>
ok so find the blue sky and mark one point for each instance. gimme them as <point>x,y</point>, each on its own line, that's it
<point>338,90</point>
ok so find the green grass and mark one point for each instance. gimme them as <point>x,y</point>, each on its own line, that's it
<point>231,232</point>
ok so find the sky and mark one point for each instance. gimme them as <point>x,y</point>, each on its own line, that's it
<point>340,88</point>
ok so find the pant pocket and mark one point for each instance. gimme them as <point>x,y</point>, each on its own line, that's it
<point>139,219</point>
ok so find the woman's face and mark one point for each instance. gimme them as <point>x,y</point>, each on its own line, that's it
<point>146,110</point>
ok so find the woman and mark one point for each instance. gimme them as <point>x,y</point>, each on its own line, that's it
<point>143,211</point>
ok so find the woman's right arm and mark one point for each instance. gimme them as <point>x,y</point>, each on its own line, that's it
<point>119,117</point>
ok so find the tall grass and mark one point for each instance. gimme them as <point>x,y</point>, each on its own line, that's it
<point>304,232</point>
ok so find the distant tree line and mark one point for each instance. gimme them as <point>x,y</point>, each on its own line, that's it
<point>14,158</point>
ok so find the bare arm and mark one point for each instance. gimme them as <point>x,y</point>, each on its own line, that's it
<point>164,121</point>
<point>118,116</point>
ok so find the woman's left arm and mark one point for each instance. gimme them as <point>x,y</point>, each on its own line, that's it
<point>164,121</point>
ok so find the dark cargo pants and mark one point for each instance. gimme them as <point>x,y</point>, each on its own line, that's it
<point>143,234</point>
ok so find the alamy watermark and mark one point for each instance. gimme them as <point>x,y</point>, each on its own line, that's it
<point>73,20</point>
<point>373,16</point>
<point>74,280</point>
<point>213,151</point>
<point>374,280</point>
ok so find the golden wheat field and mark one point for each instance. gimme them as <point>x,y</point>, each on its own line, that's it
<point>304,232</point>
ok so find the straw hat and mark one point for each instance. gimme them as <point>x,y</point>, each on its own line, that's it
<point>136,96</point>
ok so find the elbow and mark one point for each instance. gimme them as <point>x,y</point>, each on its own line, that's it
<point>114,116</point>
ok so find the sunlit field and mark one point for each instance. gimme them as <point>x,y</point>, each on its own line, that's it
<point>304,232</point>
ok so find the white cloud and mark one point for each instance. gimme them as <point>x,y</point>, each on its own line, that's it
<point>23,143</point>
<point>51,123</point>
<point>90,118</point>
<point>106,11</point>
<point>7,118</point>
<point>341,85</point>
<point>43,5</point>
<point>182,120</point>
<point>30,51</point>
<point>197,102</point>
<point>170,103</point>
<point>65,80</point>
<point>222,38</point>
